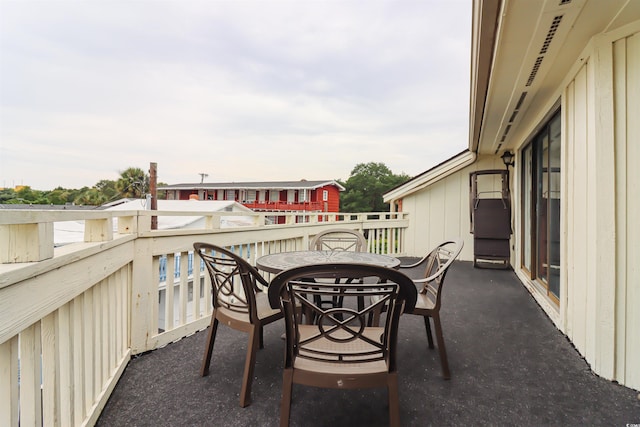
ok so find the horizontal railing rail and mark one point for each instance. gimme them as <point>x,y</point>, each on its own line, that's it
<point>72,315</point>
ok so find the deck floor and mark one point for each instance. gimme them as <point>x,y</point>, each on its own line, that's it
<point>509,366</point>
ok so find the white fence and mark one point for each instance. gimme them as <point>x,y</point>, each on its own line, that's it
<point>72,316</point>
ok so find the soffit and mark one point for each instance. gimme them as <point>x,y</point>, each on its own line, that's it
<point>537,42</point>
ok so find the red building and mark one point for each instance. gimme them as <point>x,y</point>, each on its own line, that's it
<point>276,196</point>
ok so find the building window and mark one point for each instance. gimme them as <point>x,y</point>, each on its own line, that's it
<point>251,196</point>
<point>230,195</point>
<point>325,195</point>
<point>541,207</point>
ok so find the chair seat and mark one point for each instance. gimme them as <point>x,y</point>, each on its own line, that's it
<point>262,306</point>
<point>342,347</point>
<point>424,303</point>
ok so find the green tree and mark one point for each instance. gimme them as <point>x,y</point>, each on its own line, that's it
<point>7,194</point>
<point>59,196</point>
<point>92,197</point>
<point>133,182</point>
<point>28,195</point>
<point>366,185</point>
<point>108,188</point>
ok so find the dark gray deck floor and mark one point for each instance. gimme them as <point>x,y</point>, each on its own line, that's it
<point>509,366</point>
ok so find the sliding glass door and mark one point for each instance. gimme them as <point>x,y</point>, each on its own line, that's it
<point>541,208</point>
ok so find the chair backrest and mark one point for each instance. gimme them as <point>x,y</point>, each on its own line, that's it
<point>437,264</point>
<point>339,334</point>
<point>234,282</point>
<point>339,239</point>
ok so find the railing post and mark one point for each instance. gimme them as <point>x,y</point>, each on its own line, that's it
<point>144,298</point>
<point>98,230</point>
<point>26,242</point>
<point>212,222</point>
<point>127,224</point>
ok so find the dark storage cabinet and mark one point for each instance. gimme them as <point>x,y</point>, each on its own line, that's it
<point>490,218</point>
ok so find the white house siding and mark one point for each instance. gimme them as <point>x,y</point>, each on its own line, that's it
<point>601,282</point>
<point>446,203</point>
<point>626,71</point>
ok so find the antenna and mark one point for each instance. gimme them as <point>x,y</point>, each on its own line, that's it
<point>203,176</point>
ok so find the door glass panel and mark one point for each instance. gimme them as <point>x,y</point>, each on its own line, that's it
<point>542,207</point>
<point>541,200</point>
<point>554,207</point>
<point>527,169</point>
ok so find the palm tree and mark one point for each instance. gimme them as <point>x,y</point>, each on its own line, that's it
<point>133,182</point>
<point>91,196</point>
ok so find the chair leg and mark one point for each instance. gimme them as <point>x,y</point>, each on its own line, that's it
<point>250,361</point>
<point>261,337</point>
<point>427,326</point>
<point>285,403</point>
<point>394,400</point>
<point>441,348</point>
<point>208,350</point>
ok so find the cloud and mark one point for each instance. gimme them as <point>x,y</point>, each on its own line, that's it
<point>251,90</point>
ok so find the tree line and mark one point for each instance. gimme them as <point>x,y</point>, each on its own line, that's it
<point>132,183</point>
<point>364,189</point>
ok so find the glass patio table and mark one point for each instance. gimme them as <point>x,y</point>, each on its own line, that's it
<point>277,262</point>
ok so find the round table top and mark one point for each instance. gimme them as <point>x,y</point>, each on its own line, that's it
<point>277,262</point>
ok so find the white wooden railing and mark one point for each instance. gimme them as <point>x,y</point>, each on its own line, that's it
<point>71,317</point>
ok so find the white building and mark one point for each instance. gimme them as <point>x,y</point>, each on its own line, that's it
<point>73,231</point>
<point>557,83</point>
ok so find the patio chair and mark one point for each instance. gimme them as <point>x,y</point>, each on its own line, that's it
<point>239,303</point>
<point>340,350</point>
<point>337,239</point>
<point>436,263</point>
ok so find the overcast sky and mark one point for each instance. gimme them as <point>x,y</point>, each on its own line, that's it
<point>243,90</point>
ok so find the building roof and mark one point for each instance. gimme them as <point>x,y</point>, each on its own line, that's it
<point>73,231</point>
<point>260,185</point>
<point>442,170</point>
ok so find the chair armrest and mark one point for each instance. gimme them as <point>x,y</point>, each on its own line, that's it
<point>415,264</point>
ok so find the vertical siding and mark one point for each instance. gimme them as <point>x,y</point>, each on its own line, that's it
<point>577,197</point>
<point>602,299</point>
<point>579,190</point>
<point>626,54</point>
<point>600,282</point>
<point>441,210</point>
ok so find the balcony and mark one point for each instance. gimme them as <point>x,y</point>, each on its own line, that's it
<point>285,206</point>
<point>71,317</point>
<point>509,366</point>
<point>91,325</point>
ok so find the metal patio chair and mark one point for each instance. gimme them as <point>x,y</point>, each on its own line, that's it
<point>239,303</point>
<point>436,263</point>
<point>337,239</point>
<point>340,350</point>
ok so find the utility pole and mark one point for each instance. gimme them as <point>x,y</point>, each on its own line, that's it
<point>203,176</point>
<point>153,189</point>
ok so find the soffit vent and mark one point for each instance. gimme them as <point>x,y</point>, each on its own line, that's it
<point>563,2</point>
<point>515,112</point>
<point>550,34</point>
<point>523,95</point>
<point>534,70</point>
<point>553,28</point>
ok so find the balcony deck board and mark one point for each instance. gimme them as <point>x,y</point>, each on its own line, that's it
<point>509,365</point>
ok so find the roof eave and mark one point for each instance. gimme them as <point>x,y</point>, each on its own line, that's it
<point>437,173</point>
<point>486,17</point>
